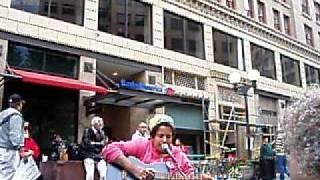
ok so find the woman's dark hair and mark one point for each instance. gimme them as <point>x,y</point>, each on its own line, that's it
<point>155,129</point>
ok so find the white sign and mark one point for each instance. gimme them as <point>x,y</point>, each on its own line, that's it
<point>27,170</point>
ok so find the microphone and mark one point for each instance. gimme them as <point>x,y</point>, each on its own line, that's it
<point>165,148</point>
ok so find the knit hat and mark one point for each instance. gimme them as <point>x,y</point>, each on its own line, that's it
<point>160,118</point>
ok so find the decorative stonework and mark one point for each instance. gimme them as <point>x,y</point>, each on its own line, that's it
<point>217,12</point>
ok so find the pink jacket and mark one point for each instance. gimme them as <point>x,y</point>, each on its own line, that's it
<point>147,153</point>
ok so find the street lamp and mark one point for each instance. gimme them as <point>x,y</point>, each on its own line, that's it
<point>235,79</point>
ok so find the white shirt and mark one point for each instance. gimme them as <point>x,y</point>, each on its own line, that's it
<point>139,135</point>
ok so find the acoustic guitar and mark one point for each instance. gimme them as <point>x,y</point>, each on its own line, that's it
<point>115,172</point>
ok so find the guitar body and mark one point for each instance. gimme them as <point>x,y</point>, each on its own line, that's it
<point>115,172</point>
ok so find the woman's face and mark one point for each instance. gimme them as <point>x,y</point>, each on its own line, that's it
<point>163,136</point>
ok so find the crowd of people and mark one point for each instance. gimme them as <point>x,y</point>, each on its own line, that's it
<point>153,142</point>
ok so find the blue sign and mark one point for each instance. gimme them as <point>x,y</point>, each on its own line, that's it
<point>142,86</point>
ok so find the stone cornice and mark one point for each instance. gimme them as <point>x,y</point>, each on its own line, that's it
<point>217,12</point>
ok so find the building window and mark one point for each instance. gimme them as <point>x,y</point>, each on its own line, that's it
<point>225,49</point>
<point>317,11</point>
<point>71,12</point>
<point>286,24</point>
<point>42,60</point>
<point>308,34</point>
<point>312,74</point>
<point>267,110</point>
<point>276,19</point>
<point>168,76</point>
<point>305,6</point>
<point>290,71</point>
<point>263,60</point>
<point>152,80</point>
<point>183,35</point>
<point>261,12</point>
<point>248,7</point>
<point>133,24</point>
<point>231,4</point>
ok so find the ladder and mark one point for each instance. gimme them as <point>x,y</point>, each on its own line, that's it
<point>212,128</point>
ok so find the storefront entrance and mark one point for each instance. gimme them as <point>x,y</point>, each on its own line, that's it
<point>49,109</point>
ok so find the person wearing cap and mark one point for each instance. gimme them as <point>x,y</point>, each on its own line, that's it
<point>141,132</point>
<point>11,137</point>
<point>92,143</point>
<point>151,150</point>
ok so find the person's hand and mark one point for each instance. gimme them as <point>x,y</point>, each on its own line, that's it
<point>144,174</point>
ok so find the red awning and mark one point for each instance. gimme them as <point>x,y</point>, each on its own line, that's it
<point>50,80</point>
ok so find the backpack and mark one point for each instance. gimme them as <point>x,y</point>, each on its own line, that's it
<point>266,151</point>
<point>7,118</point>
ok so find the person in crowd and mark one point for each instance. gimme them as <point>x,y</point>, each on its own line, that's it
<point>183,148</point>
<point>11,137</point>
<point>30,148</point>
<point>58,148</point>
<point>93,141</point>
<point>267,169</point>
<point>301,122</point>
<point>281,156</point>
<point>151,150</point>
<point>142,132</point>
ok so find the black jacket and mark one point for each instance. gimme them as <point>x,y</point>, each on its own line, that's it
<point>89,150</point>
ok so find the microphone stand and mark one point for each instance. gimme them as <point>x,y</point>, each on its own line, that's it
<point>179,169</point>
<point>176,163</point>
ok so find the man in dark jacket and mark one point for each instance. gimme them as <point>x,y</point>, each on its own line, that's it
<point>267,164</point>
<point>93,141</point>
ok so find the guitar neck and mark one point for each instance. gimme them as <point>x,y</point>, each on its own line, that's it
<point>176,176</point>
<point>161,172</point>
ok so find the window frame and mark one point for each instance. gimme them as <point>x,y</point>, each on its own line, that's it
<point>227,38</point>
<point>265,50</point>
<point>308,35</point>
<point>130,22</point>
<point>305,7</point>
<point>262,12</point>
<point>308,69</point>
<point>46,53</point>
<point>276,19</point>
<point>294,62</point>
<point>183,31</point>
<point>231,4</point>
<point>286,24</point>
<point>59,9</point>
<point>317,11</point>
